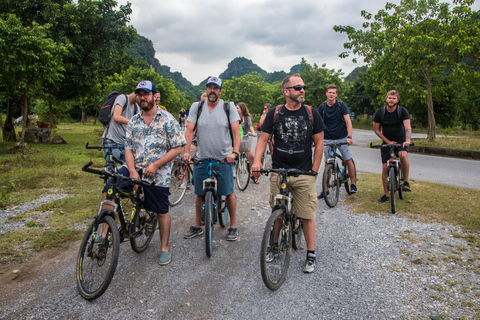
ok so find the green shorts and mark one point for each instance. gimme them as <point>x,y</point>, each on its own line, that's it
<point>304,194</point>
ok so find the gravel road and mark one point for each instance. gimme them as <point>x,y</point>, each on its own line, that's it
<point>370,266</point>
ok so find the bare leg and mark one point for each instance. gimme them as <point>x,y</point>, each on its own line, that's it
<point>384,179</point>
<point>164,225</point>
<point>351,171</point>
<point>232,209</point>
<point>405,164</point>
<point>309,232</point>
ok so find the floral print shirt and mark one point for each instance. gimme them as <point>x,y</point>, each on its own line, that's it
<point>150,143</point>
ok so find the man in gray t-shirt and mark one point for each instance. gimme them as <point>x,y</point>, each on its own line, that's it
<point>214,142</point>
<point>114,134</point>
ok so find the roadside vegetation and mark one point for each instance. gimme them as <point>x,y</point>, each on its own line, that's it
<point>50,168</point>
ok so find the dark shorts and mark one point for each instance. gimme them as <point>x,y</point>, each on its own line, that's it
<point>224,174</point>
<point>156,198</point>
<point>386,152</point>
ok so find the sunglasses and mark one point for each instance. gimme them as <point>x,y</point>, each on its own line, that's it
<point>297,87</point>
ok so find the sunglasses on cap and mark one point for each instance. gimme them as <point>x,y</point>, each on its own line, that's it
<point>297,87</point>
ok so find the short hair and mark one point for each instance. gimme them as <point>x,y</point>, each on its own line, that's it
<point>287,79</point>
<point>393,93</point>
<point>244,109</point>
<point>268,105</point>
<point>332,86</point>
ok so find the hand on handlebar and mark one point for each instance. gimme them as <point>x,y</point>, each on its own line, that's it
<point>186,157</point>
<point>231,158</point>
<point>256,167</point>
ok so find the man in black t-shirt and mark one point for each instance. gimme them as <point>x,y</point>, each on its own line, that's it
<point>396,128</point>
<point>294,128</point>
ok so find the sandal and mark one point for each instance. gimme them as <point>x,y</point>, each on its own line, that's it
<point>254,180</point>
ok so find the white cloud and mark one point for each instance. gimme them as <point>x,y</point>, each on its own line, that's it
<point>200,38</point>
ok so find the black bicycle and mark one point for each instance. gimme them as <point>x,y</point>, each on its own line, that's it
<point>98,255</point>
<point>214,206</point>
<point>283,231</point>
<point>394,173</point>
<point>334,175</point>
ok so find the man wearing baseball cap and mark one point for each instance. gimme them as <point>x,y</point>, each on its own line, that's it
<point>153,140</point>
<point>215,132</point>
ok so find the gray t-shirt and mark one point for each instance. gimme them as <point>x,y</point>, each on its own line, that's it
<point>246,124</point>
<point>213,130</point>
<point>117,131</point>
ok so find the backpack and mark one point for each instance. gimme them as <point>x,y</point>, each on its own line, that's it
<point>337,103</point>
<point>105,113</point>
<point>279,107</point>
<point>227,112</point>
<point>382,114</point>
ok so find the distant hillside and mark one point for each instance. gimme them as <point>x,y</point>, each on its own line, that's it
<point>354,74</point>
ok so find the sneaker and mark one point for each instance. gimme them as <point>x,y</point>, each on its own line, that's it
<point>353,188</point>
<point>272,253</point>
<point>406,186</point>
<point>383,199</point>
<point>321,195</point>
<point>232,234</point>
<point>165,258</point>
<point>193,232</point>
<point>310,263</point>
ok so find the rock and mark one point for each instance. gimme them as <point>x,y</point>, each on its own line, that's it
<point>58,139</point>
<point>37,135</point>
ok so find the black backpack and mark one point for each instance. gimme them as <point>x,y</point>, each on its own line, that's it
<point>105,113</point>
<point>399,112</point>
<point>227,112</point>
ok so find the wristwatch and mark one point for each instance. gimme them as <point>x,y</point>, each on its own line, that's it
<point>349,137</point>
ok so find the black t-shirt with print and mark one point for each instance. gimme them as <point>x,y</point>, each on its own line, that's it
<point>293,136</point>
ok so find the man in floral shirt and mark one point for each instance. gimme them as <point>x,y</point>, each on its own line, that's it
<point>153,140</point>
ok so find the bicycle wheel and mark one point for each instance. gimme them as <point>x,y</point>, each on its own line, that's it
<point>401,192</point>
<point>178,184</point>
<point>208,207</point>
<point>275,259</point>
<point>349,180</point>
<point>243,172</point>
<point>297,227</point>
<point>144,224</point>
<point>223,211</point>
<point>330,186</point>
<point>96,263</point>
<point>392,186</point>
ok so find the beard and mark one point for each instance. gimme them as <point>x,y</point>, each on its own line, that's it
<point>298,99</point>
<point>212,97</point>
<point>147,106</point>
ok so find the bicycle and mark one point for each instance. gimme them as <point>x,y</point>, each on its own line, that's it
<point>112,163</point>
<point>242,169</point>
<point>394,173</point>
<point>98,254</point>
<point>334,176</point>
<point>214,206</point>
<point>283,224</point>
<point>181,178</point>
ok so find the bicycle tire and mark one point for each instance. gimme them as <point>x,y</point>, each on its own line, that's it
<point>243,174</point>
<point>401,192</point>
<point>208,207</point>
<point>330,186</point>
<point>180,179</point>
<point>274,272</point>
<point>392,186</point>
<point>144,224</point>
<point>349,180</point>
<point>222,211</point>
<point>297,228</point>
<point>96,265</point>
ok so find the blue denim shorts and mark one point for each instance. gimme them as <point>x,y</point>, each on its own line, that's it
<point>156,198</point>
<point>224,174</point>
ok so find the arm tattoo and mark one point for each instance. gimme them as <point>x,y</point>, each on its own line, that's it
<point>408,133</point>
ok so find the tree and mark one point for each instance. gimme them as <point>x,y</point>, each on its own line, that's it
<point>416,42</point>
<point>29,60</point>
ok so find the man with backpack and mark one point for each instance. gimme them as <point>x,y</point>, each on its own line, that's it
<point>118,115</point>
<point>216,124</point>
<point>396,128</point>
<point>294,127</point>
<point>338,128</point>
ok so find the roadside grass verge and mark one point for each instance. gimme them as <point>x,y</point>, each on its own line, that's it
<point>428,202</point>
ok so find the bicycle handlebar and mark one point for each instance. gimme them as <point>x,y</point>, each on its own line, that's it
<point>288,172</point>
<point>198,161</point>
<point>116,176</point>
<point>336,144</point>
<point>102,147</point>
<point>391,145</point>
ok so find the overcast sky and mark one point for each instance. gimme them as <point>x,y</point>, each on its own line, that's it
<point>199,38</point>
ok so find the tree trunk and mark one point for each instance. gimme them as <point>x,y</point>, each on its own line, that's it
<point>84,120</point>
<point>431,114</point>
<point>50,113</point>
<point>8,130</point>
<point>24,108</point>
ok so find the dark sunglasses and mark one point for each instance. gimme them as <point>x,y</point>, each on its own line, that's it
<point>297,87</point>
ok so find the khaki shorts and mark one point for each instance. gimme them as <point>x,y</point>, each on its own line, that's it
<point>304,194</point>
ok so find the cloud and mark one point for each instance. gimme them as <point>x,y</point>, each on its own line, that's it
<point>199,38</point>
